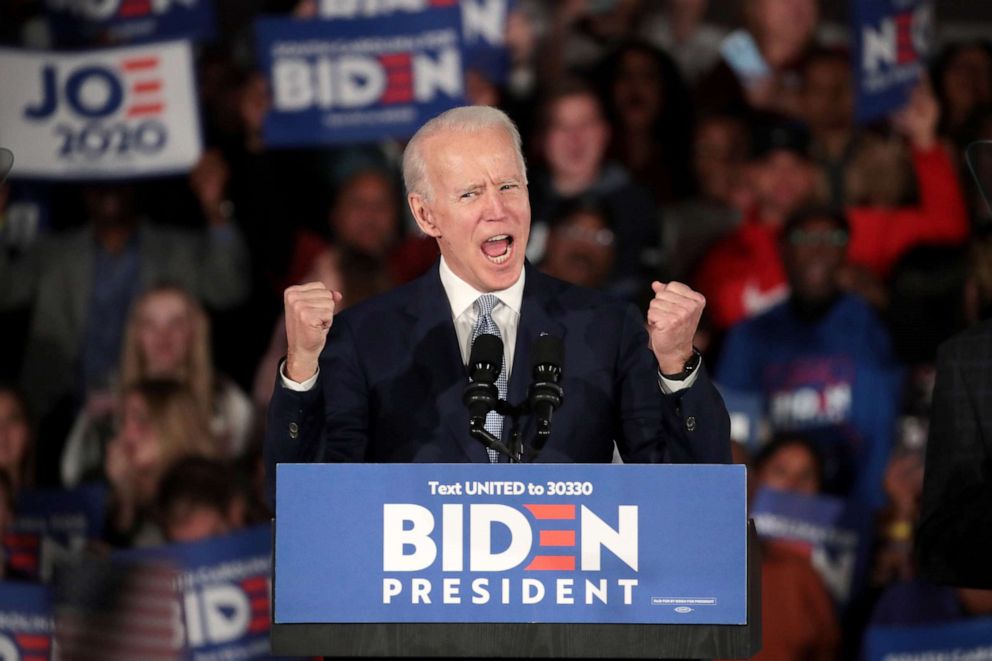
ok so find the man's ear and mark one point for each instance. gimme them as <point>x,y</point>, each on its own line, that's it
<point>422,214</point>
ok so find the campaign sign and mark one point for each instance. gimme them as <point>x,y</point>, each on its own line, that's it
<point>25,622</point>
<point>892,39</point>
<point>51,525</point>
<point>223,592</point>
<point>950,641</point>
<point>104,114</point>
<point>836,533</point>
<point>129,21</point>
<point>748,422</point>
<point>483,26</point>
<point>548,543</point>
<point>360,80</point>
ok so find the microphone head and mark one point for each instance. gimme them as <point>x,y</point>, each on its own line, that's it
<point>486,359</point>
<point>549,352</point>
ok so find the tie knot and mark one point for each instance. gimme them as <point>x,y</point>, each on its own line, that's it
<point>485,304</point>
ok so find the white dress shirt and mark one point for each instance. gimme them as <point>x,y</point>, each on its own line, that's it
<point>461,298</point>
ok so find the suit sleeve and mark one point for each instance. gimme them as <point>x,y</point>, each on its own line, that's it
<point>688,426</point>
<point>327,423</point>
<point>954,540</point>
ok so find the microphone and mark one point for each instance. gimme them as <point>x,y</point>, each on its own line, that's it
<point>546,394</point>
<point>484,364</point>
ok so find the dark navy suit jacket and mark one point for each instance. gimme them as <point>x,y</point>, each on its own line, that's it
<point>392,377</point>
<point>954,539</point>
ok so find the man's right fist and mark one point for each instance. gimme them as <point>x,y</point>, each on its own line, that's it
<point>309,315</point>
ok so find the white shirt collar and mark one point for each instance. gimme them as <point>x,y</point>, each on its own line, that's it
<point>462,296</point>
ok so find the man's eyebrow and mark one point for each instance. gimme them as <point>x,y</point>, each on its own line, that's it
<point>465,188</point>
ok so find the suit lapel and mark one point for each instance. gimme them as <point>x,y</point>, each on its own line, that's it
<point>438,358</point>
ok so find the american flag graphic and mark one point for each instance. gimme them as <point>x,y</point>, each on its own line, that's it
<point>116,612</point>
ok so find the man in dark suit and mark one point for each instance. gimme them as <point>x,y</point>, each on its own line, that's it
<point>392,370</point>
<point>954,541</point>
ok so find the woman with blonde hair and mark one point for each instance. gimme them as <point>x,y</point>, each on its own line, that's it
<point>161,423</point>
<point>167,337</point>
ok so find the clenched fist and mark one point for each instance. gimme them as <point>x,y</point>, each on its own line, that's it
<point>673,316</point>
<point>309,315</point>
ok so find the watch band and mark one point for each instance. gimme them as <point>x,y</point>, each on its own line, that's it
<point>688,368</point>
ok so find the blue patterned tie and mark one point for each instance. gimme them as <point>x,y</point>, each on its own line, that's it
<point>484,324</point>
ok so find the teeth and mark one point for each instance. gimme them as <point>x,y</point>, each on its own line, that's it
<point>499,237</point>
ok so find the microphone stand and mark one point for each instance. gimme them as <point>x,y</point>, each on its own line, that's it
<point>515,451</point>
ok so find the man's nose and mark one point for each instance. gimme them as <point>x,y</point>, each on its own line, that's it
<point>495,207</point>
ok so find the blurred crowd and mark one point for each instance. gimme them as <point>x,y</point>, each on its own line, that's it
<point>141,323</point>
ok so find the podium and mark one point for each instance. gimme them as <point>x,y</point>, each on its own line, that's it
<point>525,560</point>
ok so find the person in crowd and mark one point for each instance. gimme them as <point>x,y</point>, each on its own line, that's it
<point>679,28</point>
<point>651,114</point>
<point>388,386</point>
<point>799,619</point>
<point>274,194</point>
<point>366,255</point>
<point>860,167</point>
<point>821,360</point>
<point>161,423</point>
<point>690,228</point>
<point>789,462</point>
<point>573,136</point>
<point>761,63</point>
<point>743,275</point>
<point>84,281</point>
<point>581,32</point>
<point>167,337</point>
<point>17,446</point>
<point>198,499</point>
<point>365,219</point>
<point>580,244</point>
<point>962,75</point>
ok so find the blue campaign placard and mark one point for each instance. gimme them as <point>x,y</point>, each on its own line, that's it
<point>50,524</point>
<point>77,22</point>
<point>222,592</point>
<point>548,543</point>
<point>25,622</point>
<point>892,39</point>
<point>359,80</point>
<point>837,534</point>
<point>966,639</point>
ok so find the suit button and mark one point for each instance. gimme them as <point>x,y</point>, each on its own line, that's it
<point>690,423</point>
<point>294,430</point>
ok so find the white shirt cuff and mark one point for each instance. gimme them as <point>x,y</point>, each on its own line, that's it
<point>305,386</point>
<point>670,386</point>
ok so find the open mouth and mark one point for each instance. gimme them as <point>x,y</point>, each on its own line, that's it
<point>497,249</point>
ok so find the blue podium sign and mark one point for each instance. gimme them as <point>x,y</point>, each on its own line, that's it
<point>540,543</point>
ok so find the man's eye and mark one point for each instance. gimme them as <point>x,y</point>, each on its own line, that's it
<point>468,194</point>
<point>508,186</point>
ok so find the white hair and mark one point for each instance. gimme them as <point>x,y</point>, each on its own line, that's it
<point>464,119</point>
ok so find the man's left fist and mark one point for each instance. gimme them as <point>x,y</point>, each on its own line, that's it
<point>672,319</point>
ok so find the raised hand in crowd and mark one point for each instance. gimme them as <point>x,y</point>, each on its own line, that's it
<point>918,120</point>
<point>209,180</point>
